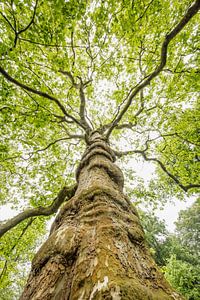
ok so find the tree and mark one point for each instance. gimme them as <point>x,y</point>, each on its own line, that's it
<point>177,253</point>
<point>183,268</point>
<point>113,78</point>
<point>157,237</point>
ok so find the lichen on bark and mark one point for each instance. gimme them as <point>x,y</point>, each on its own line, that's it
<point>96,248</point>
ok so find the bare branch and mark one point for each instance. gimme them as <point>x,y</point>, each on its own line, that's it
<point>59,140</point>
<point>65,194</point>
<point>82,104</point>
<point>30,154</point>
<point>69,75</point>
<point>14,28</point>
<point>193,9</point>
<point>145,10</point>
<point>17,33</point>
<point>52,143</point>
<point>196,71</point>
<point>175,179</point>
<point>5,107</point>
<point>128,125</point>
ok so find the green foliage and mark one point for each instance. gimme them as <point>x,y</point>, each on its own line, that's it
<point>184,277</point>
<point>183,268</point>
<point>188,228</point>
<point>16,251</point>
<point>156,237</point>
<point>178,253</point>
<point>180,149</point>
<point>111,46</point>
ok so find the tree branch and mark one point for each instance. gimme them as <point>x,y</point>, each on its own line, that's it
<point>49,45</point>
<point>73,51</point>
<point>17,33</point>
<point>52,143</point>
<point>8,22</point>
<point>32,19</point>
<point>65,194</point>
<point>72,136</point>
<point>80,87</point>
<point>42,94</point>
<point>193,9</point>
<point>184,187</point>
<point>14,28</point>
<point>174,178</point>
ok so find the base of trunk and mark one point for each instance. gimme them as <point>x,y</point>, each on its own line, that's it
<point>104,257</point>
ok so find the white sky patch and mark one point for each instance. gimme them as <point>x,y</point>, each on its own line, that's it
<point>7,212</point>
<point>171,211</point>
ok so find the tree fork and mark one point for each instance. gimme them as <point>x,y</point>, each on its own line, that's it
<point>96,248</point>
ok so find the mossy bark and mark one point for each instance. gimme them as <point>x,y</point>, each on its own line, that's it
<point>96,248</point>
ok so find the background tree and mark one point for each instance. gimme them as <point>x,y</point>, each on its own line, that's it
<point>183,268</point>
<point>157,237</point>
<point>69,68</point>
<point>177,253</point>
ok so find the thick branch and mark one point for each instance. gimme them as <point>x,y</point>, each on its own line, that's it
<point>163,59</point>
<point>42,94</point>
<point>65,193</point>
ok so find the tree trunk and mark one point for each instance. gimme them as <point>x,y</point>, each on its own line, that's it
<point>96,248</point>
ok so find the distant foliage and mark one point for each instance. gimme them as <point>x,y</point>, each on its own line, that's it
<point>177,254</point>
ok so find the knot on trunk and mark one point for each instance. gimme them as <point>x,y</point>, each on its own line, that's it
<point>111,169</point>
<point>98,147</point>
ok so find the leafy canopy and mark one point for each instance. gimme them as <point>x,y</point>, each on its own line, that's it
<point>128,69</point>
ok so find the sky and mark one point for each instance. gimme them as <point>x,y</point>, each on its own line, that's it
<point>170,211</point>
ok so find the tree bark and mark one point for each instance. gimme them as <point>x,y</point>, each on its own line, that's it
<point>96,248</point>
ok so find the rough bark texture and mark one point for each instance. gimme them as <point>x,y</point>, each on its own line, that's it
<point>96,248</point>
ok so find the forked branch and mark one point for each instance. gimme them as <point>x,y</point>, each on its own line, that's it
<point>193,9</point>
<point>42,94</point>
<point>65,194</point>
<point>80,87</point>
<point>14,28</point>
